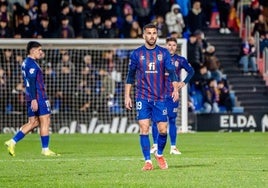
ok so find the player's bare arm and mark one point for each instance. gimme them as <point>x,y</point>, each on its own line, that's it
<point>175,93</point>
<point>181,85</point>
<point>128,101</point>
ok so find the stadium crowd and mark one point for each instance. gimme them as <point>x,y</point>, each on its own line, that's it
<point>119,19</point>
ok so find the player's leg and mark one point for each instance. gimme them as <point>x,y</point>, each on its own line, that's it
<point>173,136</point>
<point>145,143</point>
<point>155,136</point>
<point>172,109</point>
<point>44,119</point>
<point>25,129</point>
<point>160,116</point>
<point>144,114</point>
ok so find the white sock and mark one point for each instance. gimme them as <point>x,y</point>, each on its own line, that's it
<point>149,161</point>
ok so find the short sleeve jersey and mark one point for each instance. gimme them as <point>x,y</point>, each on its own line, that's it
<point>150,66</point>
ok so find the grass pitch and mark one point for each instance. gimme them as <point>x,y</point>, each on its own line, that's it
<point>115,160</point>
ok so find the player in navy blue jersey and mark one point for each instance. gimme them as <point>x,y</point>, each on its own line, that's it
<point>148,65</point>
<point>38,107</point>
<point>172,107</point>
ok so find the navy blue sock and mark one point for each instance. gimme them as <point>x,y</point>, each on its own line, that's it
<point>172,131</point>
<point>145,146</point>
<point>162,140</point>
<point>154,132</point>
<point>45,141</point>
<point>20,135</point>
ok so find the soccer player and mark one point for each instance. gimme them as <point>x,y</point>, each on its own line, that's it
<point>38,107</point>
<point>172,107</point>
<point>149,63</point>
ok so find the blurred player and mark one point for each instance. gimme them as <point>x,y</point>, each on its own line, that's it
<point>38,107</point>
<point>149,64</point>
<point>172,107</point>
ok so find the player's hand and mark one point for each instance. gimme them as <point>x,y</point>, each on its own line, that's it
<point>34,105</point>
<point>181,85</point>
<point>128,103</point>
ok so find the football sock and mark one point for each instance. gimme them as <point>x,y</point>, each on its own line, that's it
<point>20,135</point>
<point>154,132</point>
<point>172,131</point>
<point>45,141</point>
<point>162,140</point>
<point>145,146</point>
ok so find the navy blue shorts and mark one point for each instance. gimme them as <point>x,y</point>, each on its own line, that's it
<point>43,108</point>
<point>154,110</point>
<point>172,107</point>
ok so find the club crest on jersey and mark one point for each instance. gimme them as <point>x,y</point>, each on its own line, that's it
<point>159,57</point>
<point>176,64</point>
<point>31,71</point>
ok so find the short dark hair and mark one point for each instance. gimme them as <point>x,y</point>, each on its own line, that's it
<point>150,25</point>
<point>32,44</point>
<point>171,39</point>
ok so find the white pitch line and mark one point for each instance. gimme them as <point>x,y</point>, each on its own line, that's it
<point>59,159</point>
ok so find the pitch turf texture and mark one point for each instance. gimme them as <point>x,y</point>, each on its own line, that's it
<point>115,160</point>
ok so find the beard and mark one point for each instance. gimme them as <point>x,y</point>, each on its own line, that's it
<point>151,42</point>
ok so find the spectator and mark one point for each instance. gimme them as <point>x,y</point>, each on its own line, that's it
<point>50,80</point>
<point>5,30</point>
<point>261,26</point>
<point>89,81</point>
<point>162,28</point>
<point>107,92</point>
<point>42,11</point>
<point>26,29</point>
<point>108,10</point>
<point>248,56</point>
<point>253,11</point>
<point>4,14</point>
<point>127,24</point>
<point>211,97</point>
<point>97,24</point>
<point>108,31</point>
<point>196,17</point>
<point>224,96</point>
<point>66,13</point>
<point>18,13</point>
<point>212,63</point>
<point>143,11</point>
<point>65,72</point>
<point>44,30</point>
<point>78,19</point>
<point>32,8</point>
<point>161,7</point>
<point>65,30</point>
<point>224,7</point>
<point>91,9</point>
<point>174,19</point>
<point>264,42</point>
<point>135,30</point>
<point>194,51</point>
<point>3,91</point>
<point>89,31</point>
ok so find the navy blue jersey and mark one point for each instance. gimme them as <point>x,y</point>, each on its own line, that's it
<point>150,66</point>
<point>180,63</point>
<point>33,80</point>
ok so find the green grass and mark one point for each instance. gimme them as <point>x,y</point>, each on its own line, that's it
<point>115,160</point>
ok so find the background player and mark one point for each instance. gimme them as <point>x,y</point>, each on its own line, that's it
<point>172,107</point>
<point>149,63</point>
<point>38,107</point>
